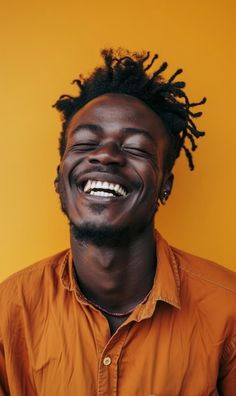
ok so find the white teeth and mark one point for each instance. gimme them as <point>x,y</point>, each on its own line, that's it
<point>91,185</point>
<point>87,186</point>
<point>105,185</point>
<point>121,191</point>
<point>101,193</point>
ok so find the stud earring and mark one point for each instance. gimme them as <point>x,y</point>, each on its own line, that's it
<point>164,197</point>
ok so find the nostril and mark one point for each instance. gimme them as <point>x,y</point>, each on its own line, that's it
<point>107,154</point>
<point>93,160</point>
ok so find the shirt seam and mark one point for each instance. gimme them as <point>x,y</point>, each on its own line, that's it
<point>204,278</point>
<point>175,268</point>
<point>34,267</point>
<point>23,272</point>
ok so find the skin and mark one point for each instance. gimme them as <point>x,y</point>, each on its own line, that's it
<point>115,138</point>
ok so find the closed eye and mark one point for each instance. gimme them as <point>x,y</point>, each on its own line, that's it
<point>136,151</point>
<point>87,146</point>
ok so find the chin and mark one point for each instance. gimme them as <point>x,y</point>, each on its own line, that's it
<point>105,235</point>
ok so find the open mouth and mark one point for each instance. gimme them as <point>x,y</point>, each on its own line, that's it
<point>104,189</point>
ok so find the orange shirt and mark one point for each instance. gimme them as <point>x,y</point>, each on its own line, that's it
<point>180,341</point>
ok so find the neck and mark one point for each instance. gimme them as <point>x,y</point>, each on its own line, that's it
<point>116,277</point>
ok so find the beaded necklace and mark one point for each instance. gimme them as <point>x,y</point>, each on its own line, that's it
<point>115,314</point>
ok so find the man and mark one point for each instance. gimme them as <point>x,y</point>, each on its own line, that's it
<point>121,312</point>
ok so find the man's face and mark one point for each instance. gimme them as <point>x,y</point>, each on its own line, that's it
<point>113,167</point>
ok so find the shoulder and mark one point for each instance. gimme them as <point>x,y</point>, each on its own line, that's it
<point>208,289</point>
<point>208,292</point>
<point>205,271</point>
<point>31,277</point>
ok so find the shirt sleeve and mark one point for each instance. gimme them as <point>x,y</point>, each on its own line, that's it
<point>227,374</point>
<point>4,389</point>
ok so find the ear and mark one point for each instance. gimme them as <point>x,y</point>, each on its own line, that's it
<point>166,188</point>
<point>56,181</point>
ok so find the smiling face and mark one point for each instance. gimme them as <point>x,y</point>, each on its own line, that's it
<point>113,167</point>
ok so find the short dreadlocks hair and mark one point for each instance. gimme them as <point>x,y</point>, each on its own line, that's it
<point>128,73</point>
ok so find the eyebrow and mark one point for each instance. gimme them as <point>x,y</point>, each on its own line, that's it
<point>98,129</point>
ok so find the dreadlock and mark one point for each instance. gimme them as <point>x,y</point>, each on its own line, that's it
<point>128,73</point>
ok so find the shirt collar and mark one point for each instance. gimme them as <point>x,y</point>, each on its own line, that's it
<point>166,285</point>
<point>66,273</point>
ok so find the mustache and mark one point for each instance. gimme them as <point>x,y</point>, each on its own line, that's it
<point>110,168</point>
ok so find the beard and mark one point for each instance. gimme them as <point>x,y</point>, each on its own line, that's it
<point>109,236</point>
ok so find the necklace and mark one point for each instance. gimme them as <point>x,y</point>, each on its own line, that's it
<point>115,314</point>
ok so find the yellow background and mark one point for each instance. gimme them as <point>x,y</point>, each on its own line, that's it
<point>45,45</point>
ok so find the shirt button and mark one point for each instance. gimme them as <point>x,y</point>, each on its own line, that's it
<point>107,361</point>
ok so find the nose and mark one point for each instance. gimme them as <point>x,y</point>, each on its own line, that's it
<point>107,154</point>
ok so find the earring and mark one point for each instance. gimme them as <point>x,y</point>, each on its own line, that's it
<point>164,197</point>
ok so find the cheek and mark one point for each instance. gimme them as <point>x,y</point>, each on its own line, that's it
<point>62,194</point>
<point>69,162</point>
<point>64,182</point>
<point>66,170</point>
<point>152,177</point>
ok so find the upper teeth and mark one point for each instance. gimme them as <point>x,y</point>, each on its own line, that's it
<point>99,185</point>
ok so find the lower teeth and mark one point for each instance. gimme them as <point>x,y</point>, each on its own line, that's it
<point>101,194</point>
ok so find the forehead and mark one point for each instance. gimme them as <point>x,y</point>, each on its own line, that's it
<point>117,111</point>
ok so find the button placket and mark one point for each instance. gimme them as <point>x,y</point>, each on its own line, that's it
<point>108,367</point>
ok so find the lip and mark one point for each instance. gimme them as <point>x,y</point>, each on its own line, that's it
<point>103,176</point>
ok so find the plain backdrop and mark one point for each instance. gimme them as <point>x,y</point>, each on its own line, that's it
<point>45,45</point>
